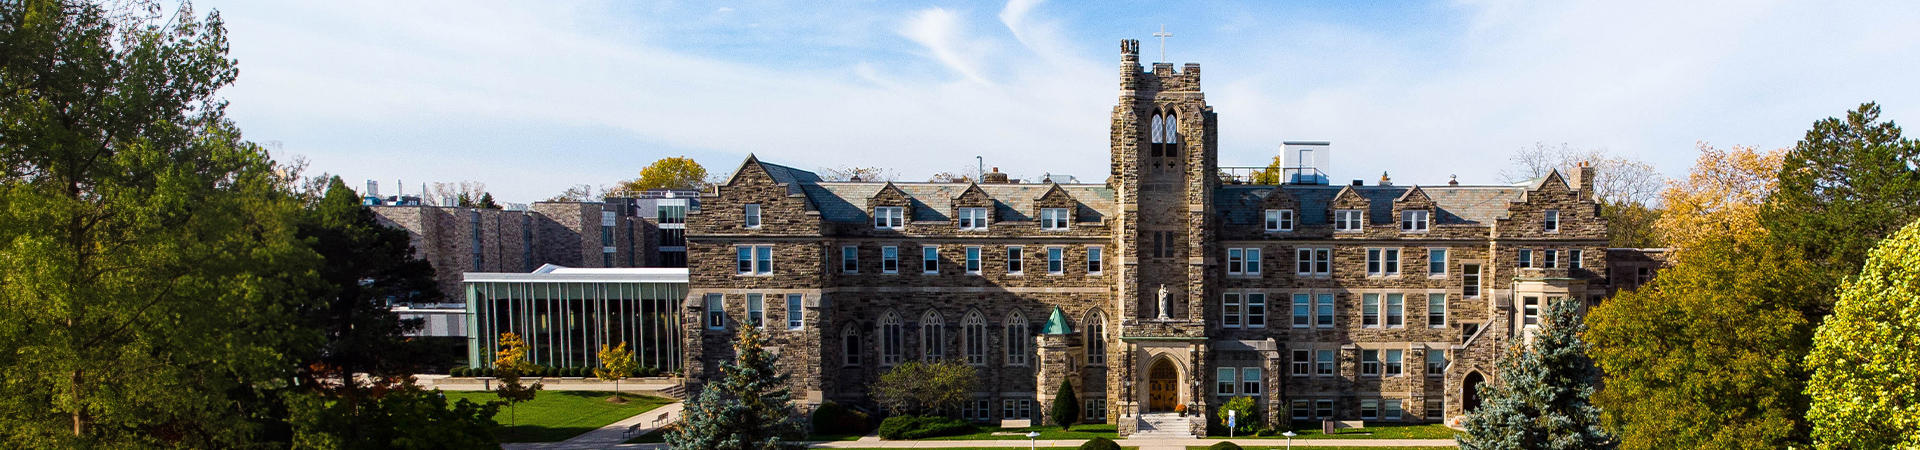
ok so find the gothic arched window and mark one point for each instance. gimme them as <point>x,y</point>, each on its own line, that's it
<point>933,332</point>
<point>1096,339</point>
<point>890,338</point>
<point>974,331</point>
<point>1158,130</point>
<point>850,346</point>
<point>1016,339</point>
<point>1171,135</point>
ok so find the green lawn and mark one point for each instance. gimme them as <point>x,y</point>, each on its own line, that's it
<point>1046,432</point>
<point>659,436</point>
<point>1311,430</point>
<point>1311,447</point>
<point>554,416</point>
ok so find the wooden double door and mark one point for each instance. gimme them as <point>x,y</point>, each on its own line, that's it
<point>1163,386</point>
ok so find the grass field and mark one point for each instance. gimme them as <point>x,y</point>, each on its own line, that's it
<point>659,436</point>
<point>1108,431</point>
<point>554,416</point>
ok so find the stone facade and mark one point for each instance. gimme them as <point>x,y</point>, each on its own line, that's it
<point>1172,284</point>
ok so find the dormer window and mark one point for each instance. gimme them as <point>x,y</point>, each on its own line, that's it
<point>1279,220</point>
<point>1346,220</point>
<point>1053,218</point>
<point>1413,220</point>
<point>889,217</point>
<point>973,218</point>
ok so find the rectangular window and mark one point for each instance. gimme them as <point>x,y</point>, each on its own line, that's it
<point>1303,261</point>
<point>1053,218</point>
<point>1393,362</point>
<point>1470,281</point>
<point>1346,220</point>
<point>1256,310</point>
<point>1250,382</point>
<point>1096,411</point>
<point>1436,262</point>
<point>671,211</point>
<point>1236,261</point>
<point>1224,381</point>
<point>1370,310</point>
<point>1014,256</point>
<point>1301,410</point>
<point>1056,260</point>
<point>753,216</point>
<point>1323,362</point>
<point>1413,221</point>
<point>1392,407</point>
<point>1526,258</point>
<point>1253,261</point>
<point>1373,262</point>
<point>1026,409</point>
<point>1530,312</point>
<point>889,259</point>
<point>796,311</point>
<point>1322,261</point>
<point>973,260</point>
<point>1093,260</point>
<point>1553,221</point>
<point>850,259</point>
<point>1551,258</point>
<point>1322,409</point>
<point>754,259</point>
<point>1279,220</point>
<point>1302,311</point>
<point>1436,362</point>
<point>716,312</point>
<point>1323,311</point>
<point>756,308</point>
<point>1229,310</point>
<point>1435,409</point>
<point>1370,363</point>
<point>889,217</point>
<point>1573,260</point>
<point>930,259</point>
<point>1436,310</point>
<point>1396,310</point>
<point>1393,261</point>
<point>1642,275</point>
<point>1302,361</point>
<point>1369,409</point>
<point>973,218</point>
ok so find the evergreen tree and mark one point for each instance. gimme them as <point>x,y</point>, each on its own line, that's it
<point>1850,183</point>
<point>1066,406</point>
<point>1866,360</point>
<point>368,267</point>
<point>486,201</point>
<point>1540,400</point>
<point>749,408</point>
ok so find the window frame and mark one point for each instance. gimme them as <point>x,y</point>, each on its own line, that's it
<point>1530,312</point>
<point>929,260</point>
<point>1396,310</point>
<point>757,310</point>
<point>1225,379</point>
<point>716,311</point>
<point>890,259</point>
<point>1437,368</point>
<point>1016,335</point>
<point>1256,310</point>
<point>1370,310</point>
<point>1393,362</point>
<point>1096,260</point>
<point>850,353</point>
<point>1574,260</point>
<point>1251,380</point>
<point>750,216</point>
<point>1524,258</point>
<point>796,312</point>
<point>1436,317</point>
<point>1349,220</point>
<point>1016,260</point>
<point>849,259</point>
<point>1302,311</point>
<point>1550,259</point>
<point>1437,262</point>
<point>893,339</point>
<point>1551,220</point>
<point>1230,312</point>
<point>1470,280</point>
<point>1278,220</point>
<point>1054,219</point>
<point>1325,363</point>
<point>972,265</point>
<point>1414,221</point>
<point>889,217</point>
<point>1369,363</point>
<point>933,335</point>
<point>757,259</point>
<point>1323,311</point>
<point>973,330</point>
<point>1056,260</point>
<point>1302,363</point>
<point>974,218</point>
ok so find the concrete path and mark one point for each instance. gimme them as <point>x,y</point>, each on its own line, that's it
<point>612,435</point>
<point>635,386</point>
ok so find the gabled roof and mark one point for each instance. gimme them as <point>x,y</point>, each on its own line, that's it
<point>1242,204</point>
<point>1415,195</point>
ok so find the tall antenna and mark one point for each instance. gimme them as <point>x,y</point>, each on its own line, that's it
<point>1163,35</point>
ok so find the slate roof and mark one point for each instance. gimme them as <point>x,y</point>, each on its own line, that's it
<point>847,201</point>
<point>1241,205</point>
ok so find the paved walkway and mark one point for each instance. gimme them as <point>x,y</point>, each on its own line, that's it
<point>635,386</point>
<point>612,435</point>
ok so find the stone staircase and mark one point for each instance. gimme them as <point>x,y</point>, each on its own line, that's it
<point>1163,426</point>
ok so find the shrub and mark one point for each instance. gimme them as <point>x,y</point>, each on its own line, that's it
<point>457,372</point>
<point>486,371</point>
<point>1248,418</point>
<point>1066,408</point>
<point>1099,443</point>
<point>1224,445</point>
<point>921,427</point>
<point>834,418</point>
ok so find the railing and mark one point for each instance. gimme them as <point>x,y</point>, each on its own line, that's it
<point>1272,175</point>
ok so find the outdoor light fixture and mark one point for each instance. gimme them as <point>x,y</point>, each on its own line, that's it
<point>1289,436</point>
<point>1031,440</point>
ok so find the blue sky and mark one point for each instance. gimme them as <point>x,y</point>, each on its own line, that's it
<point>533,97</point>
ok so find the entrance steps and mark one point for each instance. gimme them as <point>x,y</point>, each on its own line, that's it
<point>1164,426</point>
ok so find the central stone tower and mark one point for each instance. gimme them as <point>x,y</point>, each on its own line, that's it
<point>1163,159</point>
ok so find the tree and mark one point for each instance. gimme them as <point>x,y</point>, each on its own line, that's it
<point>463,194</point>
<point>150,249</point>
<point>616,363</point>
<point>918,387</point>
<point>749,408</point>
<point>368,267</point>
<point>577,193</point>
<point>508,365</point>
<point>678,172</point>
<point>407,418</point>
<point>1066,406</point>
<point>1269,175</point>
<point>1844,187</point>
<point>1624,187</point>
<point>1243,407</point>
<point>486,201</point>
<point>1720,198</point>
<point>1866,358</point>
<point>1540,400</point>
<point>849,173</point>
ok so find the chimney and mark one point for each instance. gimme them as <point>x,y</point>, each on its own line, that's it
<point>1585,172</point>
<point>994,177</point>
<point>1453,180</point>
<point>1384,180</point>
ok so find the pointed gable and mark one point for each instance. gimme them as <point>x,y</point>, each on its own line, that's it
<point>973,197</point>
<point>1055,197</point>
<point>1348,198</point>
<point>1551,183</point>
<point>889,195</point>
<point>1279,198</point>
<point>750,171</point>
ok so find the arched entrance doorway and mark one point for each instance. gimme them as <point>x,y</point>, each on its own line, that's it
<point>1470,392</point>
<point>1163,386</point>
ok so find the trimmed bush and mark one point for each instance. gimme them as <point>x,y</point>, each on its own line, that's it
<point>457,372</point>
<point>1099,443</point>
<point>834,418</point>
<point>1224,445</point>
<point>921,427</point>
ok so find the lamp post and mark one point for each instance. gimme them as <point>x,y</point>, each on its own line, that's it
<point>1032,443</point>
<point>1289,436</point>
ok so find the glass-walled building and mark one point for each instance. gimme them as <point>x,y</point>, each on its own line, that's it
<point>567,314</point>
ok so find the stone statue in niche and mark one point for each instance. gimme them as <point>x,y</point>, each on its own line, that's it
<point>1165,300</point>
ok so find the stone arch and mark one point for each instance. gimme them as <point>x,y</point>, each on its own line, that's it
<point>892,338</point>
<point>973,337</point>
<point>1164,380</point>
<point>1470,391</point>
<point>1094,329</point>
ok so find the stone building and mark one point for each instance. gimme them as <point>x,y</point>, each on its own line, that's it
<point>1173,283</point>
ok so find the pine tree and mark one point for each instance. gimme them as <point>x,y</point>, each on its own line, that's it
<point>1066,406</point>
<point>1542,398</point>
<point>749,408</point>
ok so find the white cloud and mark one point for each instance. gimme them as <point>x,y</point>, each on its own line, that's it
<point>939,30</point>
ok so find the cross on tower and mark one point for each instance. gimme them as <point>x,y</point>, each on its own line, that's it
<point>1163,35</point>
